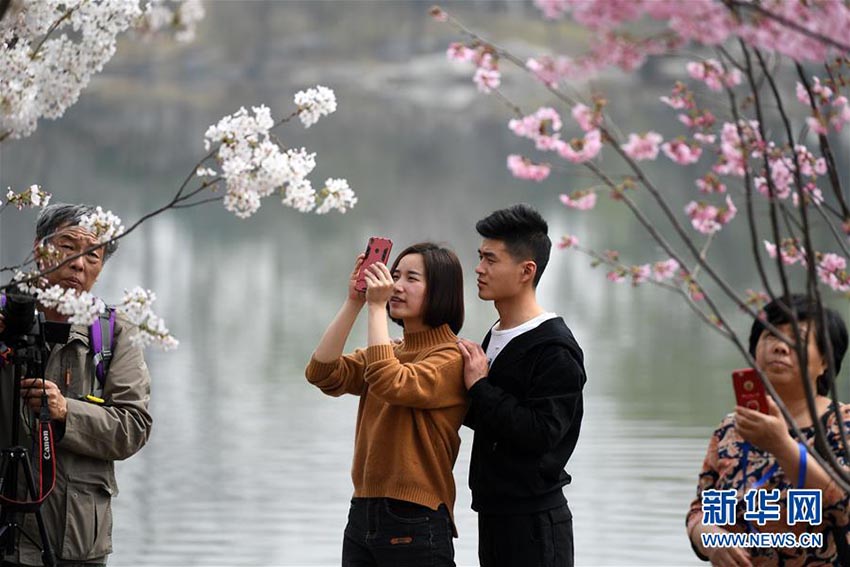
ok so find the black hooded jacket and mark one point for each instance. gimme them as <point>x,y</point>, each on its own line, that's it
<point>526,415</point>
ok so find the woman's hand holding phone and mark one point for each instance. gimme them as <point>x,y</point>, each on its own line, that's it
<point>353,294</point>
<point>379,284</point>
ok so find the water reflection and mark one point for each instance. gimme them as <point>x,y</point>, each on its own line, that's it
<point>248,464</point>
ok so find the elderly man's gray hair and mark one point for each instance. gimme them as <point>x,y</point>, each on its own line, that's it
<point>54,216</point>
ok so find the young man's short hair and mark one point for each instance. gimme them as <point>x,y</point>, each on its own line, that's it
<point>524,233</point>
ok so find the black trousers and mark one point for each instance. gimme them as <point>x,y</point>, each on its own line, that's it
<point>383,532</point>
<point>58,563</point>
<point>541,539</point>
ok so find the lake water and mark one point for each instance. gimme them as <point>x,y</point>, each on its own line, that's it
<point>248,464</point>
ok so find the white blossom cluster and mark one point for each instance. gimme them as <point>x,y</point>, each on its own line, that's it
<point>338,195</point>
<point>158,16</point>
<point>103,224</point>
<point>136,307</point>
<point>81,308</point>
<point>315,103</point>
<point>31,197</point>
<point>254,166</point>
<point>43,73</point>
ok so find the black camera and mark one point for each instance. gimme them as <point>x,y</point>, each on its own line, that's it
<point>25,326</point>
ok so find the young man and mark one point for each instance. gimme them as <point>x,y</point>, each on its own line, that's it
<point>525,387</point>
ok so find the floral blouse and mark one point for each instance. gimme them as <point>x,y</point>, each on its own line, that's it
<point>722,470</point>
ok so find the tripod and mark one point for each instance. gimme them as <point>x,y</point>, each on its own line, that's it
<point>15,460</point>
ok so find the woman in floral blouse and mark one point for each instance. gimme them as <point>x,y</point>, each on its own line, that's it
<point>754,450</point>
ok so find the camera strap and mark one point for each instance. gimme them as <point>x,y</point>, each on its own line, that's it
<point>46,467</point>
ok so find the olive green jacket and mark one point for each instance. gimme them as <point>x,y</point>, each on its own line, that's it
<point>78,513</point>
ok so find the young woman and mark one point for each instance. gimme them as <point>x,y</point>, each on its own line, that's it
<point>412,404</point>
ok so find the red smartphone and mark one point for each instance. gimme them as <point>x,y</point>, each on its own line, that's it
<point>749,390</point>
<point>377,250</point>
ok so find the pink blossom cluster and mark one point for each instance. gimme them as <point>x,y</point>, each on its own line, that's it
<point>638,274</point>
<point>710,22</point>
<point>665,269</point>
<point>588,119</point>
<point>832,270</point>
<point>782,170</point>
<point>524,168</point>
<point>782,175</point>
<point>567,241</point>
<point>710,183</point>
<point>698,119</point>
<point>829,110</point>
<point>487,75</point>
<point>712,73</point>
<point>583,200</point>
<point>643,146</point>
<point>707,218</point>
<point>789,250</point>
<point>732,160</point>
<point>680,98</point>
<point>543,127</point>
<point>580,150</point>
<point>811,194</point>
<point>681,151</point>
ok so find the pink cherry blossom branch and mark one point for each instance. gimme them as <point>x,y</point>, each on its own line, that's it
<point>603,259</point>
<point>799,345</point>
<point>826,150</point>
<point>755,7</point>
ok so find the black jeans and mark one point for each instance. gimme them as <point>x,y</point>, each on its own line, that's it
<point>541,539</point>
<point>58,563</point>
<point>383,532</point>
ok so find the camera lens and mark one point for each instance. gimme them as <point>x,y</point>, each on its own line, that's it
<point>19,313</point>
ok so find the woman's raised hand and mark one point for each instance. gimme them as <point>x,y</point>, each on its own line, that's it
<point>353,294</point>
<point>379,284</point>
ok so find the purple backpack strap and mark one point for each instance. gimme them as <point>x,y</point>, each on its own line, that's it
<point>102,333</point>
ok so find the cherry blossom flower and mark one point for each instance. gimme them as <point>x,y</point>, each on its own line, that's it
<point>708,219</point>
<point>102,224</point>
<point>587,118</point>
<point>711,72</point>
<point>552,9</point>
<point>315,103</point>
<point>337,195</point>
<point>458,51</point>
<point>640,274</point>
<point>617,276</point>
<point>580,150</point>
<point>710,183</point>
<point>832,270</point>
<point>81,308</point>
<point>487,79</point>
<point>790,251</point>
<point>567,241</point>
<point>580,200</point>
<point>681,97</point>
<point>524,168</point>
<point>643,146</point>
<point>135,306</point>
<point>811,194</point>
<point>682,152</point>
<point>31,197</point>
<point>665,270</point>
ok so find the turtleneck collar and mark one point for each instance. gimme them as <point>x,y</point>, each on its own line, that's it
<point>429,338</point>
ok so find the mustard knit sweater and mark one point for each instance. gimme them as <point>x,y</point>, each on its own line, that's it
<point>412,404</point>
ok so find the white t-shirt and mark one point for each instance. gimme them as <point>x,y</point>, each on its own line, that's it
<point>499,339</point>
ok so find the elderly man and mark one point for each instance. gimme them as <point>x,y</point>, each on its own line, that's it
<point>95,424</point>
